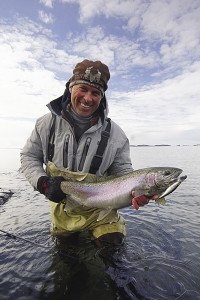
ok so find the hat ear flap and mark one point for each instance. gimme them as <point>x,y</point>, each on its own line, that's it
<point>102,107</point>
<point>103,101</point>
<point>66,98</point>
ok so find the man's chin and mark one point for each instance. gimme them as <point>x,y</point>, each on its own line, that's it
<point>83,113</point>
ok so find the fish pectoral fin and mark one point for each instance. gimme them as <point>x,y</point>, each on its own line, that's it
<point>161,201</point>
<point>138,193</point>
<point>103,213</point>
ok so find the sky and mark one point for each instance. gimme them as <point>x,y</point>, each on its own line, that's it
<point>152,48</point>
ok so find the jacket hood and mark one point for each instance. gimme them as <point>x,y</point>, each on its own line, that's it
<point>58,106</point>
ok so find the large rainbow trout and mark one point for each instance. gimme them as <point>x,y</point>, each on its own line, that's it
<point>115,193</point>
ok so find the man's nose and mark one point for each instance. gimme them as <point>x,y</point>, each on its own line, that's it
<point>88,96</point>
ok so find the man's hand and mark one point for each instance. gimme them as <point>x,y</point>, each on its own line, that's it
<point>50,187</point>
<point>142,200</point>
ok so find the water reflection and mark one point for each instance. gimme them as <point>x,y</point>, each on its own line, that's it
<point>159,260</point>
<point>81,270</point>
<point>77,269</point>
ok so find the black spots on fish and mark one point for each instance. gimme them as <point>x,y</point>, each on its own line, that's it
<point>166,173</point>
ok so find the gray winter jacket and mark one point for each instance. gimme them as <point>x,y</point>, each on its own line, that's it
<point>70,154</point>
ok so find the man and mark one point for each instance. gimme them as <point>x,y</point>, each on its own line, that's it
<point>75,137</point>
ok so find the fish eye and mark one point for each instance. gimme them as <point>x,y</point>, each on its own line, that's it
<point>166,173</point>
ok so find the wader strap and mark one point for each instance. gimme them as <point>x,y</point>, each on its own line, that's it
<point>97,159</point>
<point>51,145</point>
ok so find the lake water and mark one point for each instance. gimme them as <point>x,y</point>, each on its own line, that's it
<point>159,260</point>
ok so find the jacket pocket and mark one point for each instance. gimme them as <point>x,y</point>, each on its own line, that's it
<point>84,154</point>
<point>65,151</point>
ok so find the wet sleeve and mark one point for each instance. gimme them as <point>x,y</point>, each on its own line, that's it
<point>32,158</point>
<point>122,162</point>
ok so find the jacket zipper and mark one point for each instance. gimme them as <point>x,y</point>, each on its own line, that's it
<point>75,147</point>
<point>84,153</point>
<point>65,152</point>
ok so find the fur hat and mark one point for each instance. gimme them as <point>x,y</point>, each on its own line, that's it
<point>94,73</point>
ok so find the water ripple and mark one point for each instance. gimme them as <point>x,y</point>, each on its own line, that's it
<point>159,260</point>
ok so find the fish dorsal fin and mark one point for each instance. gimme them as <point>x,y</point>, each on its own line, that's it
<point>53,170</point>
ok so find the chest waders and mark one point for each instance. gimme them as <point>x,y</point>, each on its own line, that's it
<point>66,218</point>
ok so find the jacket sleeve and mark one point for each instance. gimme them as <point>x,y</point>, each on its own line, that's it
<point>122,162</point>
<point>32,156</point>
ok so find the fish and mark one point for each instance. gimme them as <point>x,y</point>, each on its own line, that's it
<point>115,192</point>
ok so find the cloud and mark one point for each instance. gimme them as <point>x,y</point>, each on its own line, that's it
<point>48,3</point>
<point>30,46</point>
<point>28,81</point>
<point>169,111</point>
<point>153,58</point>
<point>120,53</point>
<point>166,32</point>
<point>46,18</point>
<point>31,69</point>
<point>115,9</point>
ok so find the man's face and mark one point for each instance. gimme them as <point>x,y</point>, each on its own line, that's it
<point>85,99</point>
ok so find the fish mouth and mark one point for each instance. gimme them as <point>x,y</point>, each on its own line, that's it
<point>178,178</point>
<point>173,186</point>
<point>175,176</point>
<point>182,178</point>
<point>169,177</point>
<point>172,177</point>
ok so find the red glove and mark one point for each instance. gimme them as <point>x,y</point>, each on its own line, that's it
<point>141,200</point>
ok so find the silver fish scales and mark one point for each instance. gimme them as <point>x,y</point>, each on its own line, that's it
<point>115,193</point>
